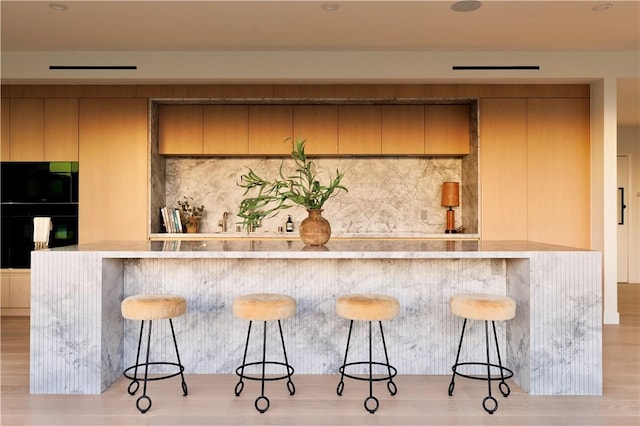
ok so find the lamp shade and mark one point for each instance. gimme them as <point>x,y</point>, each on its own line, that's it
<point>450,194</point>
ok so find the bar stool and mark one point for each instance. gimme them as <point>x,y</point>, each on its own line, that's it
<point>484,307</point>
<point>264,307</point>
<point>150,307</point>
<point>368,307</point>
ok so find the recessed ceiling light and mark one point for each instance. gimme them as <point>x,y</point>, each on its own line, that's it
<point>58,6</point>
<point>330,6</point>
<point>602,7</point>
<point>466,6</point>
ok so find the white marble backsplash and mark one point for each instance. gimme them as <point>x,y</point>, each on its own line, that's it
<point>386,195</point>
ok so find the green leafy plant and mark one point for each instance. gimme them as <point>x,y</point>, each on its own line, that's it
<point>189,209</point>
<point>301,187</point>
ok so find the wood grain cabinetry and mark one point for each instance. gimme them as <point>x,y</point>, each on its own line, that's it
<point>503,168</point>
<point>114,174</point>
<point>180,129</point>
<point>269,126</point>
<point>15,297</point>
<point>402,129</point>
<point>60,129</point>
<point>318,124</point>
<point>226,129</point>
<point>5,126</point>
<point>446,129</point>
<point>359,129</point>
<point>42,130</point>
<point>558,134</point>
<point>535,170</point>
<point>27,130</point>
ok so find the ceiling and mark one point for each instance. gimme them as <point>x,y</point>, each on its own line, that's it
<point>304,25</point>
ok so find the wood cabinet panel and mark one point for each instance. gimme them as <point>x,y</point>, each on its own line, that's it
<point>269,127</point>
<point>402,129</point>
<point>20,289</point>
<point>61,129</point>
<point>359,129</point>
<point>446,129</point>
<point>318,124</point>
<point>113,170</point>
<point>5,282</point>
<point>559,171</point>
<point>5,125</point>
<point>27,130</point>
<point>226,129</point>
<point>180,129</point>
<point>503,169</point>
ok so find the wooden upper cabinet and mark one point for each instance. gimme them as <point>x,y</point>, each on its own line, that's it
<point>269,126</point>
<point>5,149</point>
<point>180,129</point>
<point>503,169</point>
<point>27,129</point>
<point>114,172</point>
<point>61,129</point>
<point>318,124</point>
<point>446,129</point>
<point>359,129</point>
<point>402,129</point>
<point>226,129</point>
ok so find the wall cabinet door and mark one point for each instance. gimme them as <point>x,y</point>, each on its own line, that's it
<point>180,129</point>
<point>61,129</point>
<point>27,129</point>
<point>5,125</point>
<point>558,133</point>
<point>269,127</point>
<point>113,170</point>
<point>359,129</point>
<point>402,129</point>
<point>226,129</point>
<point>503,168</point>
<point>446,129</point>
<point>318,124</point>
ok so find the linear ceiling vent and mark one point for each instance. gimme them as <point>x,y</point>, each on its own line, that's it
<point>93,67</point>
<point>495,67</point>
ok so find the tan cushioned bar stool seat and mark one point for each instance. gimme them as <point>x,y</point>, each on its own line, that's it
<point>264,306</point>
<point>480,306</point>
<point>367,307</point>
<point>153,306</point>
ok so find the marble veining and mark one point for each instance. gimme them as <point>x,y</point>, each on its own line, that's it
<point>80,343</point>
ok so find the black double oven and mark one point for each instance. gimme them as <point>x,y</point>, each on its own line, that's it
<point>36,189</point>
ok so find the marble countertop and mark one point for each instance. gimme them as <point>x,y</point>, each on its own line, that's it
<point>335,249</point>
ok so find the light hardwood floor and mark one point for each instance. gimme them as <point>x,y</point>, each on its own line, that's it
<point>421,400</point>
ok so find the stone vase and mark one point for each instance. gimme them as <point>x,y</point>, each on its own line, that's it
<point>315,230</point>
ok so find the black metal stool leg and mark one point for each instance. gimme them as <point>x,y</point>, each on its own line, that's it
<point>340,387</point>
<point>391,386</point>
<point>185,391</point>
<point>264,364</point>
<point>455,366</point>
<point>488,408</point>
<point>502,383</point>
<point>240,385</point>
<point>290,386</point>
<point>146,374</point>
<point>371,398</point>
<point>132,390</point>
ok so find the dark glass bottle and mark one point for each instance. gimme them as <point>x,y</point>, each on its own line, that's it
<point>289,225</point>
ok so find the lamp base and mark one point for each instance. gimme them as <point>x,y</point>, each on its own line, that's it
<point>451,231</point>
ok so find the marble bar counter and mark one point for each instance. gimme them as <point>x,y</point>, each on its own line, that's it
<point>81,344</point>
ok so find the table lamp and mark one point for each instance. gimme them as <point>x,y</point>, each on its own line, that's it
<point>450,198</point>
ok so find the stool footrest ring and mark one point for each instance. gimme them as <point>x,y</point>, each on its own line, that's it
<point>260,378</point>
<point>506,373</point>
<point>386,376</point>
<point>149,379</point>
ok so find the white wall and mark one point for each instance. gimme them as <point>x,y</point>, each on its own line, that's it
<point>629,143</point>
